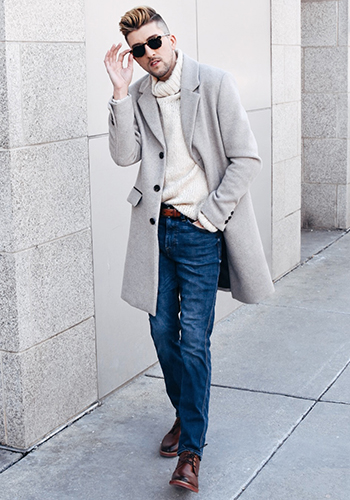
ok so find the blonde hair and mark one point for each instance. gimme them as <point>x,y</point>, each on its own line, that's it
<point>139,16</point>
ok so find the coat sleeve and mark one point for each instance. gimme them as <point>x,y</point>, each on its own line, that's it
<point>240,149</point>
<point>124,134</point>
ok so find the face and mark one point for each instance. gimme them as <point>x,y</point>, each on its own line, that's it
<point>157,62</point>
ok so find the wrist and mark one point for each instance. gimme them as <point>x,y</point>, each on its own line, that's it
<point>119,94</point>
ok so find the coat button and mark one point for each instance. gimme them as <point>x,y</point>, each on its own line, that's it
<point>152,221</point>
<point>232,212</point>
<point>161,155</point>
<point>156,188</point>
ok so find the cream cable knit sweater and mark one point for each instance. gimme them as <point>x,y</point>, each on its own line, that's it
<point>185,184</point>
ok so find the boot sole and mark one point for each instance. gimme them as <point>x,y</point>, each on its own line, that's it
<point>168,454</point>
<point>182,484</point>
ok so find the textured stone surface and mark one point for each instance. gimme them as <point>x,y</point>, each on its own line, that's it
<point>277,74</point>
<point>340,390</point>
<point>315,240</point>
<point>53,92</point>
<point>2,415</point>
<point>304,367</point>
<point>292,73</point>
<point>69,465</point>
<point>8,303</point>
<point>45,21</point>
<point>285,15</point>
<point>319,23</point>
<point>322,286</point>
<point>343,115</point>
<point>48,384</point>
<point>54,290</point>
<point>318,207</point>
<point>319,115</point>
<point>343,27</point>
<point>313,464</point>
<point>8,458</point>
<point>4,123</point>
<point>285,131</point>
<point>325,69</point>
<point>343,206</point>
<point>14,134</point>
<point>48,193</point>
<point>325,161</point>
<point>293,185</point>
<point>286,244</point>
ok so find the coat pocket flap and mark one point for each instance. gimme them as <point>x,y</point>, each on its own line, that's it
<point>135,196</point>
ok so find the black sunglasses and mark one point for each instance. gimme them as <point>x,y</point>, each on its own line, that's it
<point>153,43</point>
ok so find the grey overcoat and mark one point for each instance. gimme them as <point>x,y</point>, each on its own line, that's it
<point>219,139</point>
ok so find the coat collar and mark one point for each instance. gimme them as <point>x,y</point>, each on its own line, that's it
<point>189,102</point>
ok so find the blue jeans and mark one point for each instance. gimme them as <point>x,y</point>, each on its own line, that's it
<point>189,265</point>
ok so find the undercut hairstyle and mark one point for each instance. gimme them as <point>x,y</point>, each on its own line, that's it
<point>139,16</point>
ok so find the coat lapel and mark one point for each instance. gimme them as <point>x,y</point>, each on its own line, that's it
<point>189,99</point>
<point>149,108</point>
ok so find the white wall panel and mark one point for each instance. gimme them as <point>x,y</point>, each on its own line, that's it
<point>124,346</point>
<point>235,36</point>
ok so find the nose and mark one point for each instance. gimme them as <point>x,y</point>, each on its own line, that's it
<point>149,52</point>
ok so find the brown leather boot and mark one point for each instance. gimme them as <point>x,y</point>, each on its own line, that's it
<point>186,472</point>
<point>170,443</point>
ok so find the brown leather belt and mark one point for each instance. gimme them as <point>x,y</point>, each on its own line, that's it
<point>170,212</point>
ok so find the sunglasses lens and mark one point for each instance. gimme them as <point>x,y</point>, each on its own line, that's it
<point>138,51</point>
<point>155,43</point>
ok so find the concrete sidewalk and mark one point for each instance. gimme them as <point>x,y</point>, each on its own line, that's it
<point>280,408</point>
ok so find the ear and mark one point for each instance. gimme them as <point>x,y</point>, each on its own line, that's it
<point>173,41</point>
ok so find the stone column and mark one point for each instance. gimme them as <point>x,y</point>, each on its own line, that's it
<point>47,334</point>
<point>325,104</point>
<point>286,133</point>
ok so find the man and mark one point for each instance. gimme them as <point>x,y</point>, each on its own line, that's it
<point>191,213</point>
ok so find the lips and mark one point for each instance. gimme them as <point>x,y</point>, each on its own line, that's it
<point>154,63</point>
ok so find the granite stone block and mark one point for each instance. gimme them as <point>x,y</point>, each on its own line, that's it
<point>285,22</point>
<point>343,22</point>
<point>8,303</point>
<point>325,161</point>
<point>53,92</point>
<point>14,136</point>
<point>2,415</point>
<point>278,189</point>
<point>48,384</point>
<point>319,24</point>
<point>292,185</point>
<point>319,206</point>
<point>285,244</point>
<point>343,206</point>
<point>278,74</point>
<point>54,290</point>
<point>4,118</point>
<point>325,69</point>
<point>285,131</point>
<point>2,22</point>
<point>48,21</point>
<point>5,201</point>
<point>343,116</point>
<point>50,193</point>
<point>319,115</point>
<point>292,73</point>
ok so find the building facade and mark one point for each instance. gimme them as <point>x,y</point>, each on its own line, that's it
<point>66,338</point>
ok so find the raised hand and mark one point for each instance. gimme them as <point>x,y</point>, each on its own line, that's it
<point>120,76</point>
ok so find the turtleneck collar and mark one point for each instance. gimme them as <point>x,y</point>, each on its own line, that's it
<point>172,85</point>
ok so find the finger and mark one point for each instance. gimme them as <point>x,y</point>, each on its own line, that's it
<point>123,54</point>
